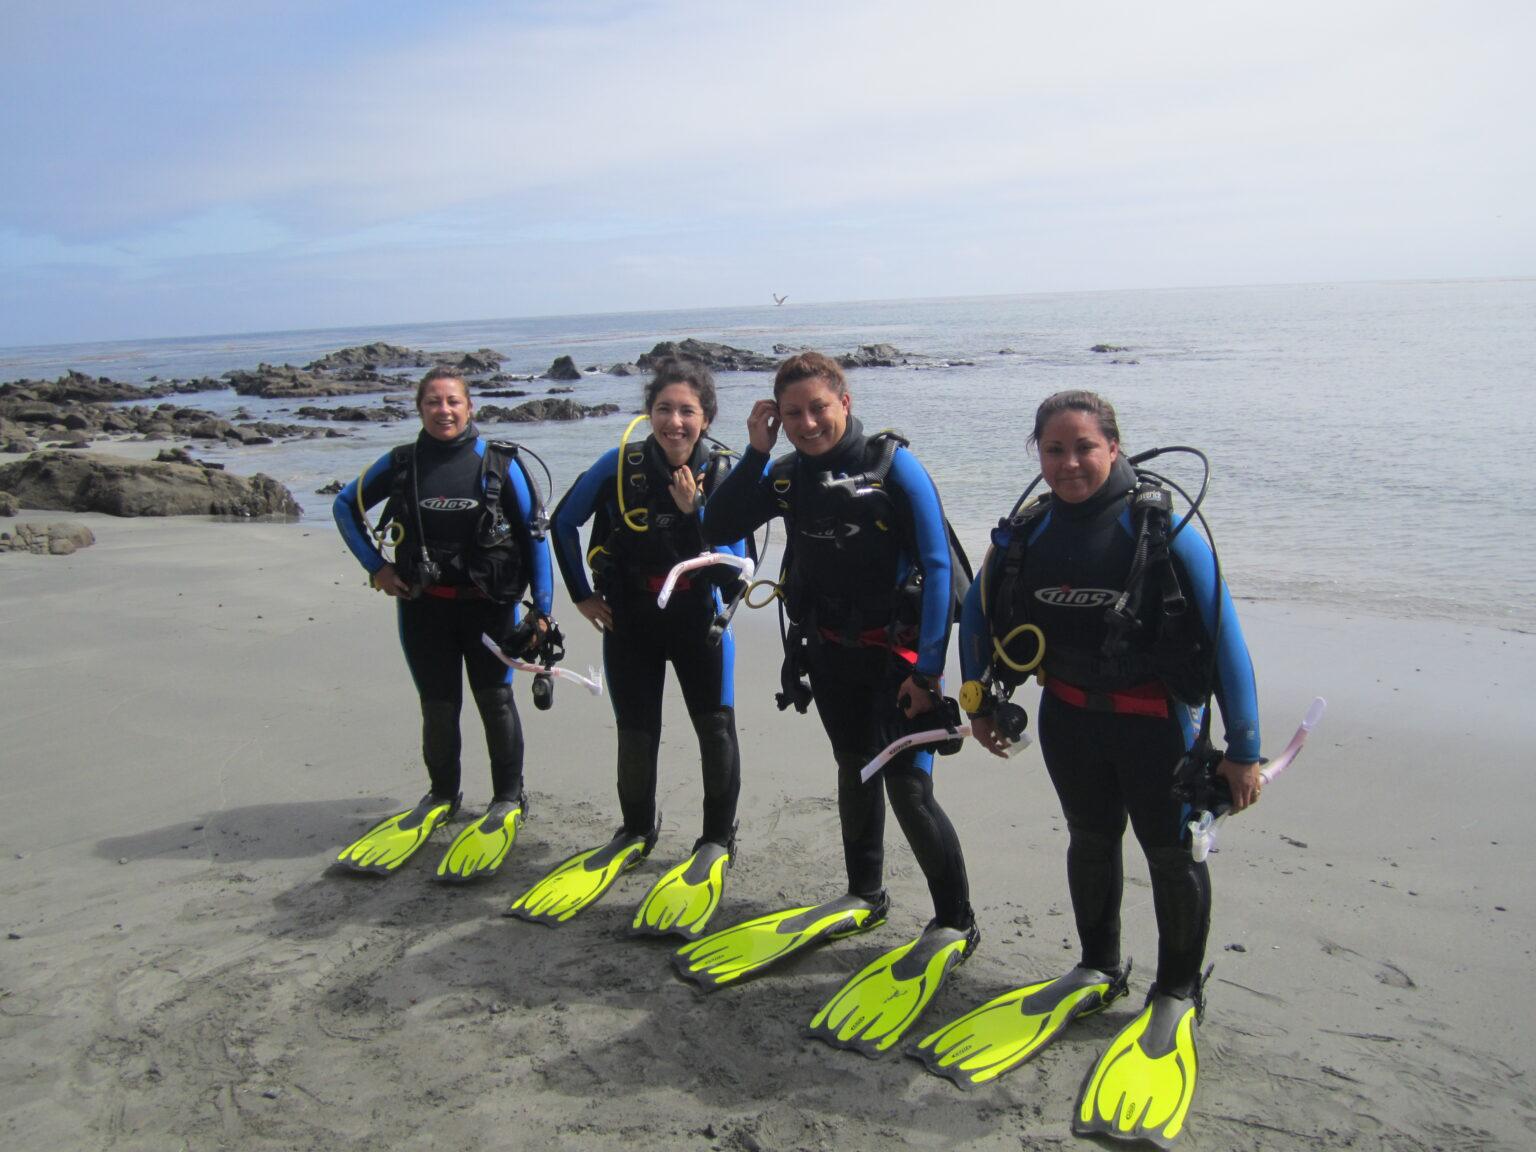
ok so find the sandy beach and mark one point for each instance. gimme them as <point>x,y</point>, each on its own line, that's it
<point>199,715</point>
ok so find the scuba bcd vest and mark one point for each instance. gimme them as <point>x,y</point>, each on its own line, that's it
<point>848,533</point>
<point>1150,630</point>
<point>497,559</point>
<point>648,534</point>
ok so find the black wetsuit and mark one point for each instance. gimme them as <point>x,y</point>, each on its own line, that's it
<point>644,638</point>
<point>1110,731</point>
<point>441,628</point>
<point>847,588</point>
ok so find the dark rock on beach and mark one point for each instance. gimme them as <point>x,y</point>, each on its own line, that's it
<point>1101,348</point>
<point>8,505</point>
<point>330,489</point>
<point>182,456</point>
<point>536,410</point>
<point>716,357</point>
<point>59,539</point>
<point>625,369</point>
<point>376,355</point>
<point>77,387</point>
<point>352,414</point>
<point>471,363</point>
<point>564,368</point>
<point>92,482</point>
<point>874,356</point>
<point>284,381</point>
<point>350,363</point>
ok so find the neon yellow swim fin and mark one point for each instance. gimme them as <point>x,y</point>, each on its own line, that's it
<point>684,900</point>
<point>1003,1033</point>
<point>873,1011</point>
<point>751,947</point>
<point>1142,1086</point>
<point>482,846</point>
<point>393,841</point>
<point>582,879</point>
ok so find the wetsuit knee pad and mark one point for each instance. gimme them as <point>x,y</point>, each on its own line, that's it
<point>909,787</point>
<point>718,723</point>
<point>1091,844</point>
<point>1173,862</point>
<point>493,699</point>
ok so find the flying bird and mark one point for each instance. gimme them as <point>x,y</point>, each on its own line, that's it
<point>777,299</point>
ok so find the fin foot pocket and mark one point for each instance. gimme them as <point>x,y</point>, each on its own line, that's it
<point>582,879</point>
<point>686,897</point>
<point>1006,1031</point>
<point>478,851</point>
<point>395,839</point>
<point>752,947</point>
<point>1142,1086</point>
<point>873,1011</point>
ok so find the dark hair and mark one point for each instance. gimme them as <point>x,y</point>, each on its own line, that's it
<point>810,366</point>
<point>1076,401</point>
<point>684,371</point>
<point>441,372</point>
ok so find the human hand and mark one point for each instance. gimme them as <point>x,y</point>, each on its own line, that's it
<point>1242,780</point>
<point>763,425</point>
<point>598,611</point>
<point>388,581</point>
<point>685,489</point>
<point>913,699</point>
<point>986,733</point>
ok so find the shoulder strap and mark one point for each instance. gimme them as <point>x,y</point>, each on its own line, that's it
<point>782,474</point>
<point>498,455</point>
<point>1151,516</point>
<point>1010,562</point>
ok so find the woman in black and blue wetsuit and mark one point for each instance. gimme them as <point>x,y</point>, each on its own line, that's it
<point>646,498</point>
<point>1121,707</point>
<point>867,590</point>
<point>470,542</point>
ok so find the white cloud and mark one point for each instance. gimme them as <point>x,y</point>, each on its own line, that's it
<point>665,147</point>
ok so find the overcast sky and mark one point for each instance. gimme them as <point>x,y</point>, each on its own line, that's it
<point>179,167</point>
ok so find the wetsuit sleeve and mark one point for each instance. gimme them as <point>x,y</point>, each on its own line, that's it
<point>1236,690</point>
<point>540,576</point>
<point>575,509</point>
<point>737,547</point>
<point>931,540</point>
<point>375,483</point>
<point>741,503</point>
<point>975,632</point>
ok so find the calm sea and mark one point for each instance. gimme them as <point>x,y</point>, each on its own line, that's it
<point>1366,440</point>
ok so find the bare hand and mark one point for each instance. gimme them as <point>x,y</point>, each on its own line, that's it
<point>912,700</point>
<point>686,493</point>
<point>597,610</point>
<point>763,425</point>
<point>388,581</point>
<point>986,733</point>
<point>1243,780</point>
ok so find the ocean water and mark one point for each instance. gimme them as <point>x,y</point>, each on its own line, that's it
<point>1366,440</point>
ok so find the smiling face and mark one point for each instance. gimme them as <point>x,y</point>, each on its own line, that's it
<point>677,421</point>
<point>445,407</point>
<point>1075,455</point>
<point>813,415</point>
